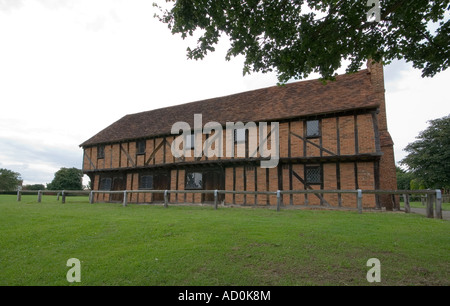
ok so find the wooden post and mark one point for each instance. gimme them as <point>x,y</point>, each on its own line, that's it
<point>19,196</point>
<point>165,199</point>
<point>125,199</point>
<point>91,197</point>
<point>63,200</point>
<point>57,196</point>
<point>407,206</point>
<point>215,199</point>
<point>429,209</point>
<point>359,200</point>
<point>39,196</point>
<point>278,200</point>
<point>438,204</point>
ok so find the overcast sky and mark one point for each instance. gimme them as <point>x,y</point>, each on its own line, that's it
<point>69,68</point>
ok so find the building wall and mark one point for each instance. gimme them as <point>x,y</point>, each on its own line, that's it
<point>353,151</point>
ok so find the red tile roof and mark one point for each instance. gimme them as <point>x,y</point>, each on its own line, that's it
<point>305,98</point>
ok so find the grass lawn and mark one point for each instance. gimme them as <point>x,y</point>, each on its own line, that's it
<point>187,245</point>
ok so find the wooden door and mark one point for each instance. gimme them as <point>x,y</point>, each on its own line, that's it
<point>118,184</point>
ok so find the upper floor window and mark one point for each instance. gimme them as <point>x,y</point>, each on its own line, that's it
<point>239,135</point>
<point>190,142</point>
<point>140,147</point>
<point>101,151</point>
<point>312,128</point>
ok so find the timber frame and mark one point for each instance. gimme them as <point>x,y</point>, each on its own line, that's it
<point>351,148</point>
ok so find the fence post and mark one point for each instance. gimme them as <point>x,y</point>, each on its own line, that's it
<point>165,199</point>
<point>63,200</point>
<point>429,208</point>
<point>407,207</point>
<point>19,196</point>
<point>39,196</point>
<point>278,200</point>
<point>438,204</point>
<point>91,197</point>
<point>359,200</point>
<point>215,199</point>
<point>125,200</point>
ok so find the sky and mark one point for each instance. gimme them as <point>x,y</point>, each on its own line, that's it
<point>70,68</point>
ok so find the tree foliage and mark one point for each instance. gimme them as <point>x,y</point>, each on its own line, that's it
<point>429,156</point>
<point>9,180</point>
<point>298,37</point>
<point>67,179</point>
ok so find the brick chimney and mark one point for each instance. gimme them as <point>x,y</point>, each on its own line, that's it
<point>387,172</point>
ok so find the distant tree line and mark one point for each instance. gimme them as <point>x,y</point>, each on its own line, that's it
<point>64,179</point>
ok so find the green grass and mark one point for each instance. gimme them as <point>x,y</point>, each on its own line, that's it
<point>187,245</point>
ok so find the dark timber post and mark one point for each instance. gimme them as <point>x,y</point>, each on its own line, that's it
<point>91,197</point>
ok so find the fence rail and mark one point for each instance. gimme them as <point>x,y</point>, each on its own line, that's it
<point>433,197</point>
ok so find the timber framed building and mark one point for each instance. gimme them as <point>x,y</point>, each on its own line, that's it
<point>331,137</point>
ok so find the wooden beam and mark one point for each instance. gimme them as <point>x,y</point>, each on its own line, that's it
<point>316,145</point>
<point>128,156</point>
<point>152,156</point>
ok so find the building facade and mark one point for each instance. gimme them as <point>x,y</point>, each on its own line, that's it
<point>331,136</point>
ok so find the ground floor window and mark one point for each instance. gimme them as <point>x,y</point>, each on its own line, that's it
<point>105,183</point>
<point>313,175</point>
<point>146,182</point>
<point>194,180</point>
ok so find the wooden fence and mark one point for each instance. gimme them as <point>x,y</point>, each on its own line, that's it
<point>433,197</point>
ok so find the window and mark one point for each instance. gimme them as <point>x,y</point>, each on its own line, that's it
<point>140,147</point>
<point>239,135</point>
<point>190,141</point>
<point>146,182</point>
<point>312,128</point>
<point>101,151</point>
<point>313,175</point>
<point>105,183</point>
<point>194,180</point>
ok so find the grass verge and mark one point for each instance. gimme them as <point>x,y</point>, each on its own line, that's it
<point>185,245</point>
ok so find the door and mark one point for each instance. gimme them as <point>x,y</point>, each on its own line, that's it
<point>118,184</point>
<point>161,181</point>
<point>212,181</point>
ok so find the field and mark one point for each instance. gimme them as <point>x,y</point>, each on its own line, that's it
<point>192,245</point>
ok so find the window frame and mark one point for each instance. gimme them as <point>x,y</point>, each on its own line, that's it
<point>141,176</point>
<point>191,145</point>
<point>319,129</point>
<point>186,187</point>
<point>236,140</point>
<point>101,182</point>
<point>320,173</point>
<point>141,144</point>
<point>100,151</point>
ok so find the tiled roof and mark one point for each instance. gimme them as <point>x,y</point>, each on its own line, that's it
<point>298,99</point>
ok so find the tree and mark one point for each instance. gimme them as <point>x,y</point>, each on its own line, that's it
<point>404,179</point>
<point>67,179</point>
<point>429,156</point>
<point>298,37</point>
<point>33,187</point>
<point>9,180</point>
